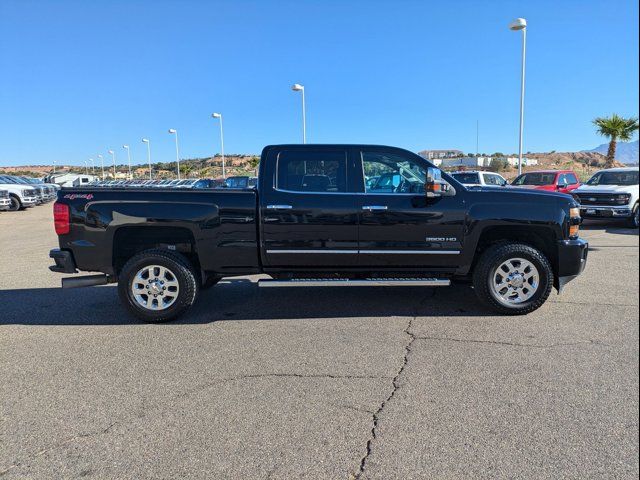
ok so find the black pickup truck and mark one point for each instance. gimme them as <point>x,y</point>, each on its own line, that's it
<point>322,215</point>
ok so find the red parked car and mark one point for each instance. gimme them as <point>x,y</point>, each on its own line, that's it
<point>563,181</point>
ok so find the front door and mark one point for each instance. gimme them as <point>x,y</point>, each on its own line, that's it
<point>400,227</point>
<point>308,209</point>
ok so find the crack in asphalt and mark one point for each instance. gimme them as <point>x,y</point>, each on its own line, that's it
<point>511,344</point>
<point>396,385</point>
<point>58,445</point>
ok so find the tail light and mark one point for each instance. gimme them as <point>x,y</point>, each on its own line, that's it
<point>61,218</point>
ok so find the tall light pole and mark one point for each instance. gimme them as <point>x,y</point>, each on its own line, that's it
<point>126,147</point>
<point>521,24</point>
<point>224,167</point>
<point>146,140</point>
<point>102,165</point>
<point>93,166</point>
<point>86,168</point>
<point>173,131</point>
<point>54,167</point>
<point>296,87</point>
<point>113,157</point>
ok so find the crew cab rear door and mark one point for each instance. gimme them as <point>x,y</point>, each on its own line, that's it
<point>400,227</point>
<point>308,209</point>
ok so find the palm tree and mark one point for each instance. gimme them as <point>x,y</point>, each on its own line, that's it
<point>616,128</point>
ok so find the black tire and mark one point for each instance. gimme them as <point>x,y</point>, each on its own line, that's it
<point>16,204</point>
<point>179,267</point>
<point>634,221</point>
<point>492,258</point>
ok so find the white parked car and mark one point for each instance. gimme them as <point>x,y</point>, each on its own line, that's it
<point>479,179</point>
<point>611,193</point>
<point>20,195</point>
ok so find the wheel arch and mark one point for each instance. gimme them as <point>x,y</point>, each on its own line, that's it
<point>537,236</point>
<point>128,241</point>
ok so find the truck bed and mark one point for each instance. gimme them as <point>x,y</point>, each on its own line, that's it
<point>220,224</point>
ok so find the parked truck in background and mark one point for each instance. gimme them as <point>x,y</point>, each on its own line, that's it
<point>313,220</point>
<point>611,193</point>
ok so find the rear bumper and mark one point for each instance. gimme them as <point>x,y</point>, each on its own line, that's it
<point>572,260</point>
<point>64,261</point>
<point>588,211</point>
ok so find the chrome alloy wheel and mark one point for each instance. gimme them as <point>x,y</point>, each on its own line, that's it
<point>515,281</point>
<point>155,287</point>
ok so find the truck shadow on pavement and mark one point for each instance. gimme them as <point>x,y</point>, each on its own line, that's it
<point>615,228</point>
<point>241,299</point>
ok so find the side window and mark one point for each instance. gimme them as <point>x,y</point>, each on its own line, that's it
<point>490,179</point>
<point>562,179</point>
<point>309,171</point>
<point>390,173</point>
<point>572,179</point>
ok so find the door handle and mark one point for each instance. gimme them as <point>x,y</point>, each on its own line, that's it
<point>279,207</point>
<point>372,208</point>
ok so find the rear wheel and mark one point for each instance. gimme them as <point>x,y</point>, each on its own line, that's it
<point>158,285</point>
<point>513,279</point>
<point>16,204</point>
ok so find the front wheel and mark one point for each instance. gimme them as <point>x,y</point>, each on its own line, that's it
<point>513,278</point>
<point>16,204</point>
<point>634,221</point>
<point>157,285</point>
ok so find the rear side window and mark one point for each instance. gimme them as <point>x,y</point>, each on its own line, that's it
<point>467,178</point>
<point>312,171</point>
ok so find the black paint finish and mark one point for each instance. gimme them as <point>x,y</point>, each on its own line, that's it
<point>271,230</point>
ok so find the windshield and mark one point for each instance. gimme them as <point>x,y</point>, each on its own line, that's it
<point>536,179</point>
<point>614,178</point>
<point>467,178</point>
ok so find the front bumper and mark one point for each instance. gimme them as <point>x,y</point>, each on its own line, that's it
<point>588,211</point>
<point>572,259</point>
<point>29,201</point>
<point>64,261</point>
<point>5,203</point>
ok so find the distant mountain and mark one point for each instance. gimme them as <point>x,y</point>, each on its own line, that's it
<point>625,152</point>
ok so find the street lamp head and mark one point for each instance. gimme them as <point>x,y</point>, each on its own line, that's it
<point>216,115</point>
<point>518,24</point>
<point>125,147</point>
<point>99,156</point>
<point>296,87</point>
<point>111,152</point>
<point>172,130</point>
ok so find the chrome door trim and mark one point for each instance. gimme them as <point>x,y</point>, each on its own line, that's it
<point>413,252</point>
<point>375,252</point>
<point>314,251</point>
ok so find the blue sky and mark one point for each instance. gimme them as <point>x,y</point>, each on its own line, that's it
<point>77,78</point>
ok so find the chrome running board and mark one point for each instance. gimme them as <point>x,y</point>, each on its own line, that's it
<point>368,282</point>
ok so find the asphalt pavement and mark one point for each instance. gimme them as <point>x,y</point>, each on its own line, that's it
<point>378,383</point>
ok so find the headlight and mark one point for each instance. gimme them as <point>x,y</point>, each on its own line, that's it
<point>574,222</point>
<point>622,199</point>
